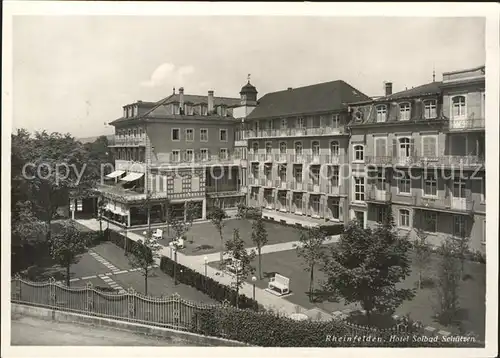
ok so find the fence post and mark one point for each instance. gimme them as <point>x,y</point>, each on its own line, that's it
<point>90,297</point>
<point>52,288</point>
<point>131,303</point>
<point>17,292</point>
<point>176,311</point>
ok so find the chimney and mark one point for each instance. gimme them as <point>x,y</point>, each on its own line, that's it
<point>210,102</point>
<point>181,100</point>
<point>388,88</point>
<point>290,88</point>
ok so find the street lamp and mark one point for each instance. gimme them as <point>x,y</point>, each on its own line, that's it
<point>174,249</point>
<point>254,279</point>
<point>206,261</point>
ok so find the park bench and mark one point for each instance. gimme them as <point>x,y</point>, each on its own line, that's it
<point>280,283</point>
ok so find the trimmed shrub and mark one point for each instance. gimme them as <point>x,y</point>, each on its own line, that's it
<point>207,285</point>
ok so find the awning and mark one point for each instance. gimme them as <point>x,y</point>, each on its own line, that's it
<point>115,174</point>
<point>132,176</point>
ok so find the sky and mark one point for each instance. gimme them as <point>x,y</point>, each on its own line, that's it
<point>74,73</point>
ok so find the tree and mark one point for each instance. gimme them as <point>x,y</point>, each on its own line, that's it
<point>237,252</point>
<point>247,212</point>
<point>311,249</point>
<point>143,255</point>
<point>259,238</point>
<point>448,283</point>
<point>422,254</point>
<point>67,245</point>
<point>217,215</point>
<point>182,225</point>
<point>101,206</point>
<point>460,247</point>
<point>367,265</point>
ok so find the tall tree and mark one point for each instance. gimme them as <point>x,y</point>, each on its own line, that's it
<point>311,249</point>
<point>448,283</point>
<point>217,215</point>
<point>422,252</point>
<point>237,252</point>
<point>67,245</point>
<point>182,225</point>
<point>367,265</point>
<point>143,255</point>
<point>460,247</point>
<point>259,238</point>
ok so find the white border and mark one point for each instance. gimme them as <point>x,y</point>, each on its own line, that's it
<point>490,11</point>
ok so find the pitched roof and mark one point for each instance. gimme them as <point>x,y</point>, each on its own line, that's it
<point>321,97</point>
<point>196,99</point>
<point>426,89</point>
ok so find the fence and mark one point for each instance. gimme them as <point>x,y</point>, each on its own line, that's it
<point>170,312</point>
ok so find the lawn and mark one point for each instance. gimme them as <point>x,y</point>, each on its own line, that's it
<point>472,292</point>
<point>204,239</point>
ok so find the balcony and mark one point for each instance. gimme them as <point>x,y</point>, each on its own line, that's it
<point>452,161</point>
<point>458,125</point>
<point>253,181</point>
<point>448,204</point>
<point>294,132</point>
<point>379,160</point>
<point>268,183</point>
<point>202,160</point>
<point>378,196</point>
<point>280,158</point>
<point>128,142</point>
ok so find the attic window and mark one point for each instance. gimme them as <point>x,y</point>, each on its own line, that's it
<point>381,113</point>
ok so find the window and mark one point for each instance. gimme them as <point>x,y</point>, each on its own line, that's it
<point>381,113</point>
<point>404,218</point>
<point>204,154</point>
<point>429,146</point>
<point>359,189</point>
<point>189,134</point>
<point>284,124</point>
<point>297,201</point>
<point>300,122</point>
<point>381,214</point>
<point>255,147</point>
<point>175,155</point>
<point>404,147</point>
<point>404,111</point>
<point>404,184</point>
<point>314,174</point>
<point>135,132</point>
<point>380,180</point>
<point>140,132</point>
<point>430,110</point>
<point>269,148</point>
<point>334,148</point>
<point>458,109</point>
<point>283,148</point>
<point>203,135</point>
<point>282,172</point>
<point>380,147</point>
<point>297,173</point>
<point>430,185</point>
<point>223,135</point>
<point>223,153</point>
<point>430,221</point>
<point>335,121</point>
<point>270,124</point>
<point>334,179</point>
<point>458,188</point>
<point>315,204</point>
<point>459,226</point>
<point>189,155</point>
<point>315,148</point>
<point>176,135</point>
<point>358,153</point>
<point>336,209</point>
<point>298,148</point>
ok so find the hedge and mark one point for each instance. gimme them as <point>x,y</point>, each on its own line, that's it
<point>207,285</point>
<point>271,330</point>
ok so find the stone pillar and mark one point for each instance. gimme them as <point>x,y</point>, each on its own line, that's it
<point>204,209</point>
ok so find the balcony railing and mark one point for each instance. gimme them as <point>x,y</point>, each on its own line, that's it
<point>458,161</point>
<point>333,189</point>
<point>464,124</point>
<point>291,132</point>
<point>199,159</point>
<point>450,203</point>
<point>253,181</point>
<point>126,141</point>
<point>379,160</point>
<point>379,196</point>
<point>294,185</point>
<point>313,188</point>
<point>268,182</point>
<point>281,184</point>
<point>281,158</point>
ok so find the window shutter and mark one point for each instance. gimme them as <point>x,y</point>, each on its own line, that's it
<point>395,148</point>
<point>304,204</point>
<point>413,149</point>
<point>322,207</point>
<point>261,197</point>
<point>341,210</point>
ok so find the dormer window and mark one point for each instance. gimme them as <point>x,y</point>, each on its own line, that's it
<point>404,111</point>
<point>381,113</point>
<point>300,122</point>
<point>430,109</point>
<point>458,108</point>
